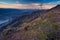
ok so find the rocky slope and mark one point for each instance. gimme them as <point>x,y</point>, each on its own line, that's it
<point>56,12</point>
<point>45,26</point>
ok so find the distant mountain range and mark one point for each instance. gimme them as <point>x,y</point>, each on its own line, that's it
<point>16,17</point>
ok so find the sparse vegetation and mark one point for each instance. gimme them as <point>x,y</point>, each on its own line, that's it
<point>44,29</point>
<point>40,29</point>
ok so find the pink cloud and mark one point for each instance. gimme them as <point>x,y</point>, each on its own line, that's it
<point>25,6</point>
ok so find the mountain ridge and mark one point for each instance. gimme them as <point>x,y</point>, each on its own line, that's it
<point>22,19</point>
<point>43,27</point>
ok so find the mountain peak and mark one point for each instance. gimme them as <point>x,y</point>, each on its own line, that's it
<point>58,6</point>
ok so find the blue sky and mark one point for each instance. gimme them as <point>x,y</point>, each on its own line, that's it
<point>28,3</point>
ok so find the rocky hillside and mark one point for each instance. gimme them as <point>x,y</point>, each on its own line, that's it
<point>45,26</point>
<point>55,11</point>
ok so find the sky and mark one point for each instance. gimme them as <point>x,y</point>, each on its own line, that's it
<point>28,4</point>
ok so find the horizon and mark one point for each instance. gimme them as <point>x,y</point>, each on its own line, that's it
<point>28,4</point>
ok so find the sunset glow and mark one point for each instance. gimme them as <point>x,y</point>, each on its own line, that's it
<point>17,4</point>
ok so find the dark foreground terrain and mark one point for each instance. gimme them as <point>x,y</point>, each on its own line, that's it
<point>42,26</point>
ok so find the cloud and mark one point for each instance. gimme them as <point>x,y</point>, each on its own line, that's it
<point>3,3</point>
<point>54,3</point>
<point>25,6</point>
